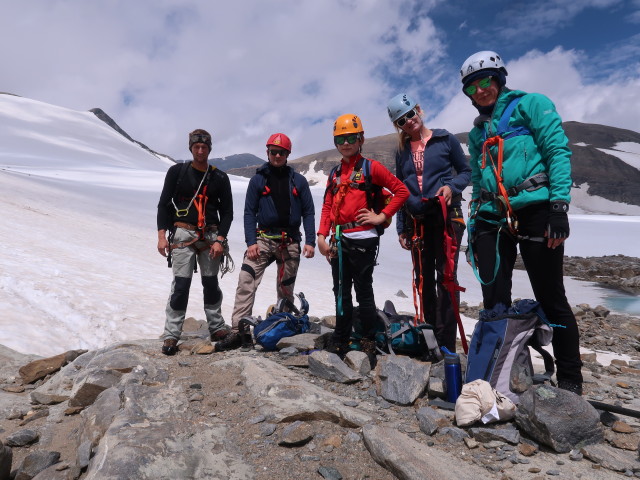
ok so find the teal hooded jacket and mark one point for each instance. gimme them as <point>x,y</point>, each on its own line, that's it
<point>543,150</point>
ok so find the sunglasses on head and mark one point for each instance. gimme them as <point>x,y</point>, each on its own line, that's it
<point>350,139</point>
<point>403,119</point>
<point>275,153</point>
<point>482,83</point>
<point>199,138</point>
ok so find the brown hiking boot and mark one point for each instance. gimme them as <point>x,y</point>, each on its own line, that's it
<point>368,346</point>
<point>230,342</point>
<point>220,335</point>
<point>170,346</point>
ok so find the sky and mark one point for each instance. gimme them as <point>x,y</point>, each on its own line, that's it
<point>80,267</point>
<point>249,68</point>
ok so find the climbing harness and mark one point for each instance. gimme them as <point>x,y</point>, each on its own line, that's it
<point>450,247</point>
<point>284,241</point>
<point>508,223</point>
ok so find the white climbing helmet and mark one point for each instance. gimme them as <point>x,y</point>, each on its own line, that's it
<point>485,60</point>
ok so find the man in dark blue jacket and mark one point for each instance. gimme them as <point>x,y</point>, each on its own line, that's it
<point>278,201</point>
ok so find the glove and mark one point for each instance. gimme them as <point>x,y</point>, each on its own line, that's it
<point>558,221</point>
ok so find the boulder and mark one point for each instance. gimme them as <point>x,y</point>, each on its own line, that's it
<point>34,371</point>
<point>402,379</point>
<point>329,366</point>
<point>559,419</point>
<point>408,459</point>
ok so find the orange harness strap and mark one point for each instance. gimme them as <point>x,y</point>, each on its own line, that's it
<point>502,196</point>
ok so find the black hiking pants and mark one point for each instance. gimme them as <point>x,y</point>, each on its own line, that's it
<point>545,270</point>
<point>358,260</point>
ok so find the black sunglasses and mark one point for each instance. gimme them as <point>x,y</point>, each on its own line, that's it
<point>402,120</point>
<point>282,153</point>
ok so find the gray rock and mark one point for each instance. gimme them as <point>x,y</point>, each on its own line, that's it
<point>93,385</point>
<point>147,437</point>
<point>358,361</point>
<point>402,379</point>
<point>288,351</point>
<point>455,434</point>
<point>22,438</point>
<point>330,473</point>
<point>430,420</point>
<point>287,396</point>
<point>436,387</point>
<point>267,429</point>
<point>329,366</point>
<point>6,457</point>
<point>303,342</point>
<point>84,454</point>
<point>610,458</point>
<point>560,419</point>
<point>408,459</point>
<point>507,435</point>
<point>43,398</point>
<point>296,434</point>
<point>36,462</point>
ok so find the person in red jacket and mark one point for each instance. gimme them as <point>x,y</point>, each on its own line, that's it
<point>352,211</point>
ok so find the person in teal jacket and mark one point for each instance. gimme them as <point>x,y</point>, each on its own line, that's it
<point>521,176</point>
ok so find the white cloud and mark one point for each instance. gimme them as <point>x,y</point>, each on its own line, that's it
<point>246,69</point>
<point>241,69</point>
<point>613,101</point>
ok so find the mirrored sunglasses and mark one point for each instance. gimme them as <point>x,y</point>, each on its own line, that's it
<point>482,83</point>
<point>350,139</point>
<point>402,120</point>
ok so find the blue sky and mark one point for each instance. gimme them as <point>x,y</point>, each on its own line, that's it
<point>249,68</point>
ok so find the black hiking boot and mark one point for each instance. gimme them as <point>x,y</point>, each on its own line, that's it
<point>570,386</point>
<point>247,342</point>
<point>170,346</point>
<point>335,346</point>
<point>230,342</point>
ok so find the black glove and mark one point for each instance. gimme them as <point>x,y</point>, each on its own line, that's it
<point>558,221</point>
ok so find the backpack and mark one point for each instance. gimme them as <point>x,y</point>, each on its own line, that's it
<point>377,196</point>
<point>397,334</point>
<point>279,324</point>
<point>499,350</point>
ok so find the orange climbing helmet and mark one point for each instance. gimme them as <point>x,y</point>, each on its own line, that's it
<point>346,124</point>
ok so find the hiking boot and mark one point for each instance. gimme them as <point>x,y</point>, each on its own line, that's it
<point>247,342</point>
<point>220,334</point>
<point>170,346</point>
<point>368,346</point>
<point>335,346</point>
<point>230,342</point>
<point>570,386</point>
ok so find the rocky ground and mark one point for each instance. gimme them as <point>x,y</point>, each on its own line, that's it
<point>128,411</point>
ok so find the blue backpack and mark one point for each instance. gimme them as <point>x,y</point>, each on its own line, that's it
<point>279,324</point>
<point>499,348</point>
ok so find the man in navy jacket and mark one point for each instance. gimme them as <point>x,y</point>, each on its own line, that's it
<point>278,201</point>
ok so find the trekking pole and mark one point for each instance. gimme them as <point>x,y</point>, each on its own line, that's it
<point>615,409</point>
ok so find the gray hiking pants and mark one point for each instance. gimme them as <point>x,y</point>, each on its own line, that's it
<point>287,258</point>
<point>183,262</point>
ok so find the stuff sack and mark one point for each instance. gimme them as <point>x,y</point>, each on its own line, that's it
<point>499,350</point>
<point>280,323</point>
